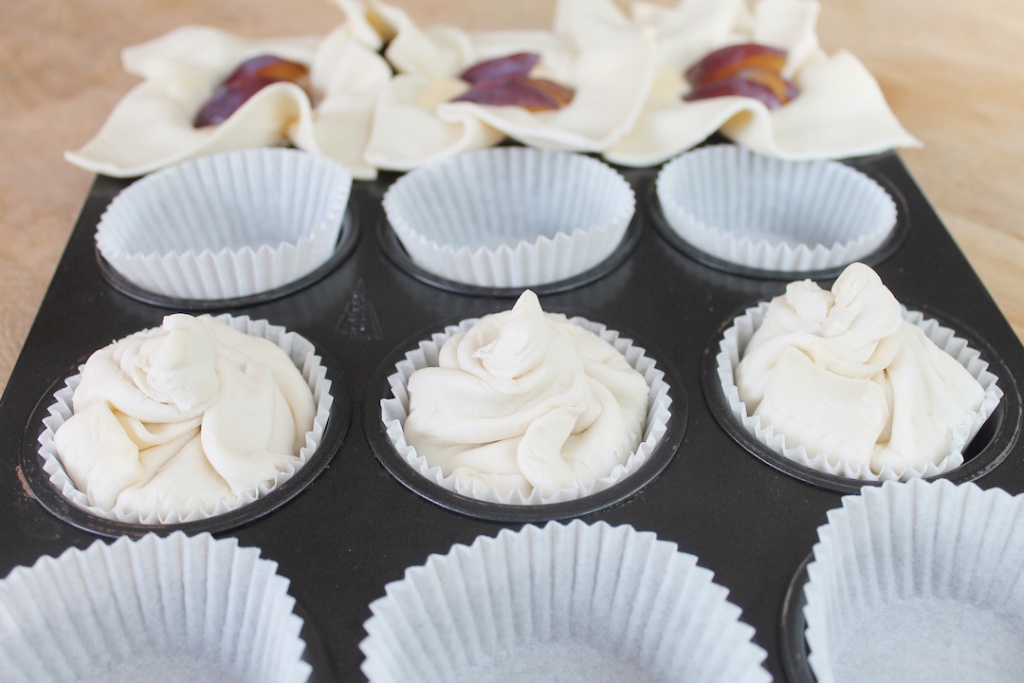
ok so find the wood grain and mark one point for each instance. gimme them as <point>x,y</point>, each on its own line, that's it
<point>950,72</point>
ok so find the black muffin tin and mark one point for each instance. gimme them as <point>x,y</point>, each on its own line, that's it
<point>349,525</point>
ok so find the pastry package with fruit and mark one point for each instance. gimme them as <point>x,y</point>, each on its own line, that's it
<point>918,581</point>
<point>186,421</point>
<point>227,225</point>
<point>154,609</point>
<point>381,92</point>
<point>849,383</point>
<point>771,214</point>
<point>757,75</point>
<point>510,216</point>
<point>525,407</point>
<point>206,90</point>
<point>578,87</point>
<point>566,602</point>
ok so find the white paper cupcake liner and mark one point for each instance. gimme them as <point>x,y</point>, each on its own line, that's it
<point>735,339</point>
<point>918,581</point>
<point>157,609</point>
<point>771,214</point>
<point>298,348</point>
<point>566,602</point>
<point>226,225</point>
<point>510,216</point>
<point>395,410</point>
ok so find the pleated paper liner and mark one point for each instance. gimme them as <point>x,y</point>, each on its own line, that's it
<point>984,443</point>
<point>510,217</point>
<point>347,241</point>
<point>566,602</point>
<point>911,581</point>
<point>49,484</point>
<point>392,248</point>
<point>226,226</point>
<point>157,609</point>
<point>753,216</point>
<point>384,420</point>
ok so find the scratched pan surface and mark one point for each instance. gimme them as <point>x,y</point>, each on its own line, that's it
<point>352,525</point>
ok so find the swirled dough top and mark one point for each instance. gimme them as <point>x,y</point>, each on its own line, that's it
<point>842,374</point>
<point>526,399</point>
<point>187,414</point>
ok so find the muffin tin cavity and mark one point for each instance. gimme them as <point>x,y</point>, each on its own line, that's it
<point>228,225</point>
<point>384,421</point>
<point>174,608</point>
<point>789,241</point>
<point>992,441</point>
<point>510,217</point>
<point>936,562</point>
<point>396,253</point>
<point>571,602</point>
<point>343,248</point>
<point>46,478</point>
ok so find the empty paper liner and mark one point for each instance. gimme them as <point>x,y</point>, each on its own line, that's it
<point>573,602</point>
<point>156,609</point>
<point>918,581</point>
<point>770,215</point>
<point>510,216</point>
<point>228,225</point>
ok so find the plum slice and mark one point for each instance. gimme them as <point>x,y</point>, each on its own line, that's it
<point>532,94</point>
<point>521,64</point>
<point>745,70</point>
<point>506,81</point>
<point>246,80</point>
<point>726,62</point>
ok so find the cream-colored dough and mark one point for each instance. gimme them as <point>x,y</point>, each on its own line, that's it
<point>352,78</point>
<point>407,133</point>
<point>525,399</point>
<point>183,416</point>
<point>843,375</point>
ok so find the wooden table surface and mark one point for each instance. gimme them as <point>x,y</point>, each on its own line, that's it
<point>951,72</point>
